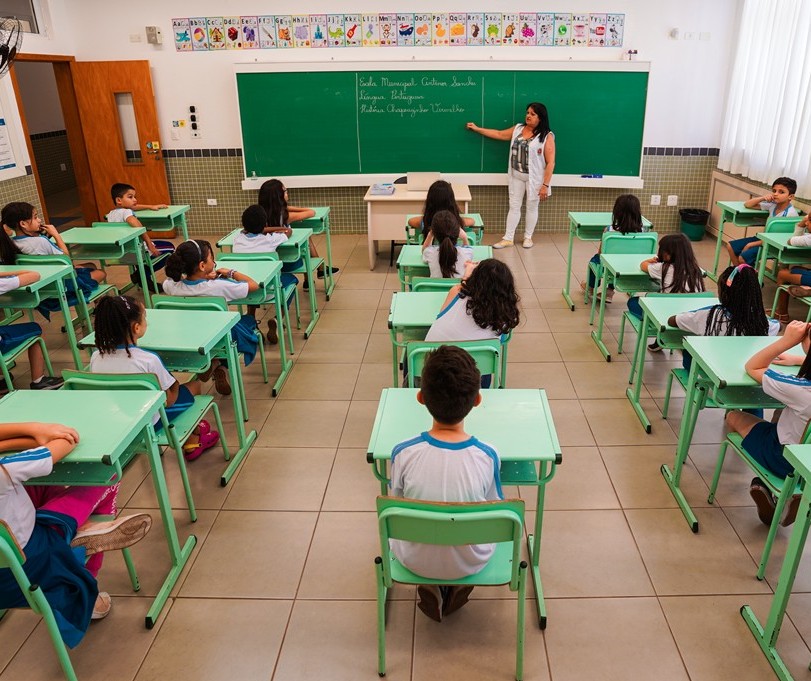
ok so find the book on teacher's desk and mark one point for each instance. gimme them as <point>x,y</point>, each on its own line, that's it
<point>382,189</point>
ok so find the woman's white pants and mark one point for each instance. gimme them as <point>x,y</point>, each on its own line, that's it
<point>517,187</point>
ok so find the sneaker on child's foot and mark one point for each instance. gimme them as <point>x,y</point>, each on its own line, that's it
<point>763,500</point>
<point>504,243</point>
<point>271,335</point>
<point>47,383</point>
<point>655,347</point>
<point>320,272</point>
<point>430,601</point>
<point>527,242</point>
<point>792,507</point>
<point>114,534</point>
<point>457,597</point>
<point>102,606</point>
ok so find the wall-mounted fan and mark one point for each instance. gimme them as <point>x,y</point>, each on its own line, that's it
<point>11,40</point>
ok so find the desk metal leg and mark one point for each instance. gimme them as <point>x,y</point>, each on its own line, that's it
<point>179,556</point>
<point>183,226</point>
<point>597,335</point>
<point>763,257</point>
<point>370,241</point>
<point>281,315</point>
<point>71,332</point>
<point>329,280</point>
<point>314,313</point>
<point>566,296</point>
<point>766,636</point>
<point>245,440</point>
<point>720,240</point>
<point>145,286</point>
<point>534,542</point>
<point>638,366</point>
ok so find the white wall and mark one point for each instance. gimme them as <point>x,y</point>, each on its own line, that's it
<point>686,98</point>
<point>40,97</point>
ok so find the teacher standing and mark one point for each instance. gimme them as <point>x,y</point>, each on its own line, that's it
<point>532,161</point>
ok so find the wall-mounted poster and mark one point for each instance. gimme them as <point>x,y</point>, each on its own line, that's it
<point>182,35</point>
<point>422,30</point>
<point>388,29</point>
<point>405,30</point>
<point>528,27</point>
<point>216,33</point>
<point>352,29</point>
<point>250,29</point>
<point>267,33</point>
<point>457,27</point>
<point>509,29</point>
<point>335,30</point>
<point>284,31</point>
<point>492,28</point>
<point>475,28</point>
<point>233,33</point>
<point>318,30</point>
<point>597,30</point>
<point>563,30</point>
<point>614,29</point>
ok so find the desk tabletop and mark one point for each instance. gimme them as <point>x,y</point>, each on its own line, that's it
<point>409,308</point>
<point>722,358</point>
<point>123,413</point>
<point>799,456</point>
<point>518,423</point>
<point>476,217</point>
<point>193,331</point>
<point>261,271</point>
<point>164,213</point>
<point>411,255</point>
<point>401,193</point>
<point>780,240</point>
<point>47,274</point>
<point>321,214</point>
<point>101,236</point>
<point>299,236</point>
<point>597,219</point>
<point>737,208</point>
<point>624,264</point>
<point>661,308</point>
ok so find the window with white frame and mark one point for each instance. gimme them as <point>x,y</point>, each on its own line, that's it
<point>23,10</point>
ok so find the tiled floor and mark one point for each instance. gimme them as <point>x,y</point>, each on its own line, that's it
<point>281,584</point>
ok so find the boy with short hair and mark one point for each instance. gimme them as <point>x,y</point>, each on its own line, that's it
<point>778,203</point>
<point>445,464</point>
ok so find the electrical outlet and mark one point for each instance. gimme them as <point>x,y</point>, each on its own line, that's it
<point>211,202</point>
<point>196,134</point>
<point>655,199</point>
<point>63,167</point>
<point>672,200</point>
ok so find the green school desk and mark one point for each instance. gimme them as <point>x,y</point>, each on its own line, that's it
<point>476,229</point>
<point>319,223</point>
<point>297,247</point>
<point>165,219</point>
<point>739,215</point>
<point>410,264</point>
<point>657,309</point>
<point>798,456</point>
<point>587,227</point>
<point>518,423</point>
<point>717,373</point>
<point>410,316</point>
<point>102,452</point>
<point>51,284</point>
<point>187,341</point>
<point>623,272</point>
<point>110,243</point>
<point>776,246</point>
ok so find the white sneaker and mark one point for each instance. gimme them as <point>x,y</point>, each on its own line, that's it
<point>527,242</point>
<point>504,243</point>
<point>102,606</point>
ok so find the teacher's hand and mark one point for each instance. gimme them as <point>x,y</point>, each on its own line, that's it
<point>472,126</point>
<point>543,193</point>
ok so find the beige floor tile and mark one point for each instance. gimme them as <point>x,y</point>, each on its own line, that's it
<point>461,648</point>
<point>736,476</point>
<point>551,299</point>
<point>799,611</point>
<point>290,424</point>
<point>657,369</point>
<point>367,280</point>
<point>354,299</point>
<point>547,262</point>
<point>532,347</point>
<point>278,544</point>
<point>324,348</point>
<point>371,381</point>
<point>593,380</point>
<point>337,640</point>
<point>378,349</point>
<point>551,376</point>
<point>579,347</point>
<point>709,426</point>
<point>359,422</point>
<point>315,382</point>
<point>17,627</point>
<point>580,482</point>
<point>699,623</point>
<point>281,479</point>
<point>611,639</point>
<point>346,321</point>
<point>682,563</point>
<point>614,422</point>
<point>590,554</point>
<point>528,300</point>
<point>352,485</point>
<point>248,633</point>
<point>565,321</point>
<point>637,479</point>
<point>570,424</point>
<point>381,321</point>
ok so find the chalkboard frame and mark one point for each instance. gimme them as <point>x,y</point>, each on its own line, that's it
<point>500,178</point>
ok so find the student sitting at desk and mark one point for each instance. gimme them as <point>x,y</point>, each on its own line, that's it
<point>439,250</point>
<point>445,464</point>
<point>50,523</point>
<point>778,203</point>
<point>798,277</point>
<point>763,440</point>
<point>440,197</point>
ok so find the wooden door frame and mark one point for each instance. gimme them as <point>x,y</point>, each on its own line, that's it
<point>63,73</point>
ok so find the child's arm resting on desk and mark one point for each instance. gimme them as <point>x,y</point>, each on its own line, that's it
<point>297,213</point>
<point>755,201</point>
<point>58,438</point>
<point>26,277</point>
<point>238,276</point>
<point>132,221</point>
<point>757,365</point>
<point>150,206</point>
<point>645,264</point>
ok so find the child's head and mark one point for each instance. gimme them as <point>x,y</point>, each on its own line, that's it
<point>676,252</point>
<point>627,214</point>
<point>783,189</point>
<point>273,198</point>
<point>492,299</point>
<point>450,384</point>
<point>254,219</point>
<point>440,196</point>
<point>445,228</point>
<point>123,195</point>
<point>190,258</point>
<point>21,217</point>
<point>740,295</point>
<point>119,321</point>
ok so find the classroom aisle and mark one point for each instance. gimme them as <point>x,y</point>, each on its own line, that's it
<point>281,585</point>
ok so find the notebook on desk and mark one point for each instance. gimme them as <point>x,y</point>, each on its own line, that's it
<point>420,182</point>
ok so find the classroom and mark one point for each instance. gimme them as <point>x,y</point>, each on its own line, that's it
<point>258,559</point>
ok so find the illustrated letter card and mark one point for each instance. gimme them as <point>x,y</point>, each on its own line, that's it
<point>580,30</point>
<point>353,29</point>
<point>546,29</point>
<point>267,33</point>
<point>405,30</point>
<point>475,32</point>
<point>301,30</point>
<point>388,30</point>
<point>216,33</point>
<point>458,28</point>
<point>615,28</point>
<point>371,34</point>
<point>318,30</point>
<point>199,33</point>
<point>335,30</point>
<point>563,30</point>
<point>597,30</point>
<point>492,24</point>
<point>529,29</point>
<point>509,29</point>
<point>250,28</point>
<point>440,32</point>
<point>182,32</point>
<point>284,31</point>
<point>422,30</point>
<point>232,26</point>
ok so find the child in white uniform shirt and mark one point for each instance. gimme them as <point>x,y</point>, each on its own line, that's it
<point>764,440</point>
<point>439,250</point>
<point>796,278</point>
<point>190,271</point>
<point>445,464</point>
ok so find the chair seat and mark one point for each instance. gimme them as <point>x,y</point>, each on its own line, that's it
<point>185,422</point>
<point>772,481</point>
<point>633,320</point>
<point>497,571</point>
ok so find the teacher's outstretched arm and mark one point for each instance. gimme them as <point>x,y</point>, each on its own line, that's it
<point>503,135</point>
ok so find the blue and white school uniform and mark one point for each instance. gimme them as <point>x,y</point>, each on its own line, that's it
<point>750,255</point>
<point>245,242</point>
<point>455,323</point>
<point>434,470</point>
<point>244,333</point>
<point>655,271</point>
<point>11,335</point>
<point>430,256</point>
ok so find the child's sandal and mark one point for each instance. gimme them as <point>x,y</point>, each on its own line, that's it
<point>206,440</point>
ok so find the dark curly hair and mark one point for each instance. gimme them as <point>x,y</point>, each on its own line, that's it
<point>492,300</point>
<point>741,307</point>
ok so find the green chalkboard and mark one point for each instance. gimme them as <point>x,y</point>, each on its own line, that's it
<point>390,122</point>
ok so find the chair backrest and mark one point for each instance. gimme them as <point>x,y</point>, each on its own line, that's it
<point>213,303</point>
<point>782,225</point>
<point>433,284</point>
<point>225,257</point>
<point>644,243</point>
<point>486,354</point>
<point>43,259</point>
<point>87,380</point>
<point>10,551</point>
<point>450,524</point>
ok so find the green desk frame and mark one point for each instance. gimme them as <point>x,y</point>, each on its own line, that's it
<point>775,246</point>
<point>740,216</point>
<point>410,316</point>
<point>518,423</point>
<point>410,263</point>
<point>319,223</point>
<point>165,219</point>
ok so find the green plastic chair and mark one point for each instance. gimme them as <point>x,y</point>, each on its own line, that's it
<point>437,284</point>
<point>449,524</point>
<point>414,235</point>
<point>782,488</point>
<point>486,354</point>
<point>644,243</point>
<point>7,360</point>
<point>778,225</point>
<point>13,558</point>
<point>174,433</point>
<point>129,261</point>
